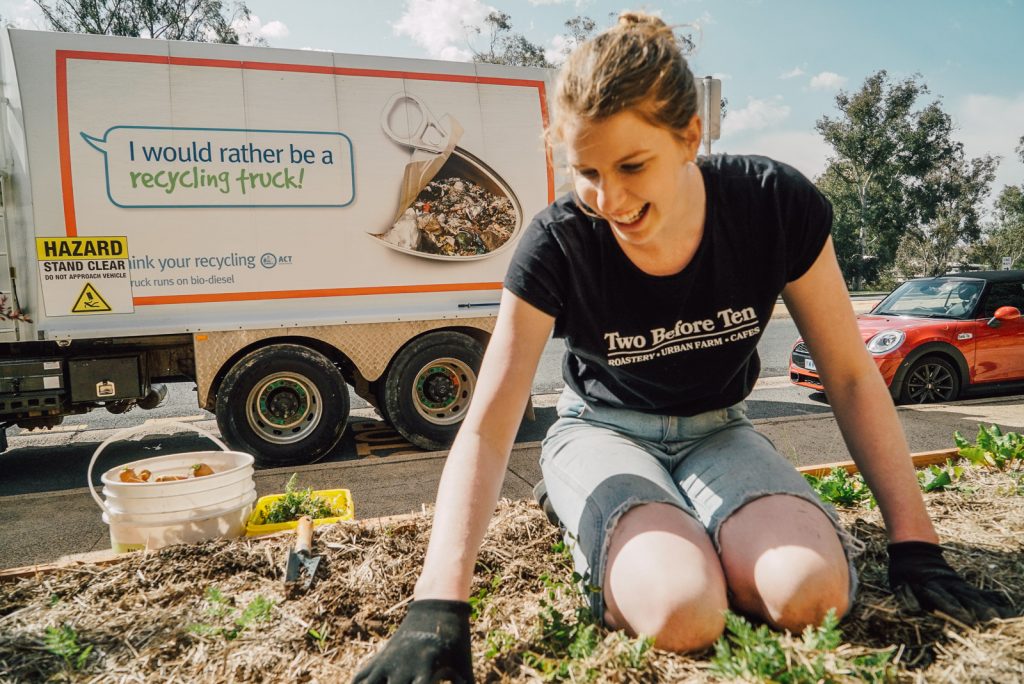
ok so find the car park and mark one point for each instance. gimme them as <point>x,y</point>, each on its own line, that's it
<point>936,338</point>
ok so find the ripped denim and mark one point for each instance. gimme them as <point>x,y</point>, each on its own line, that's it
<point>599,462</point>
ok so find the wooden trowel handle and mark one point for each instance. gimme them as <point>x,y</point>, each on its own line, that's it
<point>304,534</point>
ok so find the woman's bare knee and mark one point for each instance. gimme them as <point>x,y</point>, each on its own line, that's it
<point>790,571</point>
<point>798,588</point>
<point>663,579</point>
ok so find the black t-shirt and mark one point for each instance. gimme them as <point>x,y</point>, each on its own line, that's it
<point>685,343</point>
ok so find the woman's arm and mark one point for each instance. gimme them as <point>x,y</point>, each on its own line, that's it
<point>476,464</point>
<point>820,306</point>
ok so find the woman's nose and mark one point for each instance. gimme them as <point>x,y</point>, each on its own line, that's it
<point>610,194</point>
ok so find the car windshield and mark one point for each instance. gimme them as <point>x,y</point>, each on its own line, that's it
<point>932,298</point>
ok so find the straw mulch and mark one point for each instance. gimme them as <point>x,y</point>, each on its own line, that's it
<point>152,617</point>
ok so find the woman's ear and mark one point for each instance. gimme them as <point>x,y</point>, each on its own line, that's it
<point>692,136</point>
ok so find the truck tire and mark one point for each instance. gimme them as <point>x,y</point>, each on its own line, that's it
<point>426,391</point>
<point>285,404</point>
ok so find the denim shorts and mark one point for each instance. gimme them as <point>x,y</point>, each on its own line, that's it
<point>598,462</point>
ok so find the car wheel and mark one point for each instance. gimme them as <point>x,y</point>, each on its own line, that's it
<point>285,404</point>
<point>930,380</point>
<point>425,394</point>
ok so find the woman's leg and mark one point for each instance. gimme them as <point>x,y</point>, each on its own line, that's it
<point>664,579</point>
<point>649,564</point>
<point>782,549</point>
<point>784,562</point>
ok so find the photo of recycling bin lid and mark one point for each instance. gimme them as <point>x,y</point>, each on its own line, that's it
<point>451,204</point>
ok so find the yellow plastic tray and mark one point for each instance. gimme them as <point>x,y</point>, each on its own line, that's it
<point>338,499</point>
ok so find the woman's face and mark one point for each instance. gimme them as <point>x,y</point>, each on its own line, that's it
<point>633,174</point>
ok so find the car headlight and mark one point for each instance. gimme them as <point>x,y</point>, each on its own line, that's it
<point>886,341</point>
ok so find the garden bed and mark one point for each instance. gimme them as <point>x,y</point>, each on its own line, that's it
<point>219,611</point>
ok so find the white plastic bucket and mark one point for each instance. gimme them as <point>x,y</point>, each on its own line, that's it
<point>130,533</point>
<point>154,514</point>
<point>117,502</point>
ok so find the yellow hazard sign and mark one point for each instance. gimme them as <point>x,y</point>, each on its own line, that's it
<point>81,248</point>
<point>90,301</point>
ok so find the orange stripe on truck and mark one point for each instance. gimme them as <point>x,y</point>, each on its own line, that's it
<point>297,294</point>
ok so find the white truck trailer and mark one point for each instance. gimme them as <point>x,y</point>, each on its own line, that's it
<point>272,225</point>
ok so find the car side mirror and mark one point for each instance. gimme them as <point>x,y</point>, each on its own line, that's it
<point>1003,313</point>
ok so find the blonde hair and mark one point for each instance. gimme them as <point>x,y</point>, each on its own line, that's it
<point>636,64</point>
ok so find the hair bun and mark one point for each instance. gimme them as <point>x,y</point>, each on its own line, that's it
<point>629,19</point>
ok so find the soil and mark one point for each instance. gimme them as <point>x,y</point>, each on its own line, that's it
<point>180,614</point>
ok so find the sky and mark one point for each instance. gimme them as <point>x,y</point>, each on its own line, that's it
<point>781,62</point>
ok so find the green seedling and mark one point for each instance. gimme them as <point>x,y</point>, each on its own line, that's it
<point>993,449</point>
<point>319,637</point>
<point>842,489</point>
<point>936,478</point>
<point>220,607</point>
<point>478,601</point>
<point>759,654</point>
<point>63,642</point>
<point>499,642</point>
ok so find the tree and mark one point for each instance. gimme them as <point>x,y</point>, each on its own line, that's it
<point>506,47</point>
<point>1004,236</point>
<point>579,29</point>
<point>195,20</point>
<point>955,193</point>
<point>884,149</point>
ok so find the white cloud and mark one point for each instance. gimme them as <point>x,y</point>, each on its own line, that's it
<point>705,19</point>
<point>792,73</point>
<point>805,151</point>
<point>721,77</point>
<point>556,51</point>
<point>26,15</point>
<point>757,115</point>
<point>993,124</point>
<point>253,27</point>
<point>827,80</point>
<point>442,27</point>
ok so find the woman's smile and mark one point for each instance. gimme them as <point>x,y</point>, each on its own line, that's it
<point>631,220</point>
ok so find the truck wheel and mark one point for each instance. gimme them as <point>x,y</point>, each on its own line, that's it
<point>285,404</point>
<point>930,380</point>
<point>427,389</point>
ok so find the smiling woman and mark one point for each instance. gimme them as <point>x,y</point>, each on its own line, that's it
<point>661,272</point>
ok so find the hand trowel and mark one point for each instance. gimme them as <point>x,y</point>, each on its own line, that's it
<point>301,561</point>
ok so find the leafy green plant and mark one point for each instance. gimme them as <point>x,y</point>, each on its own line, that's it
<point>993,448</point>
<point>635,651</point>
<point>499,642</point>
<point>842,489</point>
<point>319,637</point>
<point>478,600</point>
<point>1016,486</point>
<point>935,478</point>
<point>296,503</point>
<point>63,642</point>
<point>220,607</point>
<point>760,654</point>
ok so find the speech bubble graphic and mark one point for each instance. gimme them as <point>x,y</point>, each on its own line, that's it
<point>173,167</point>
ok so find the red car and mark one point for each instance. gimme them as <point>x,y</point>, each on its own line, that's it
<point>934,338</point>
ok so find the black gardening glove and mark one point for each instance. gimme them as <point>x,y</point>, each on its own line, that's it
<point>431,645</point>
<point>920,575</point>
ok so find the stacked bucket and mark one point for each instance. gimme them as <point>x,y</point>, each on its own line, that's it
<point>151,515</point>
